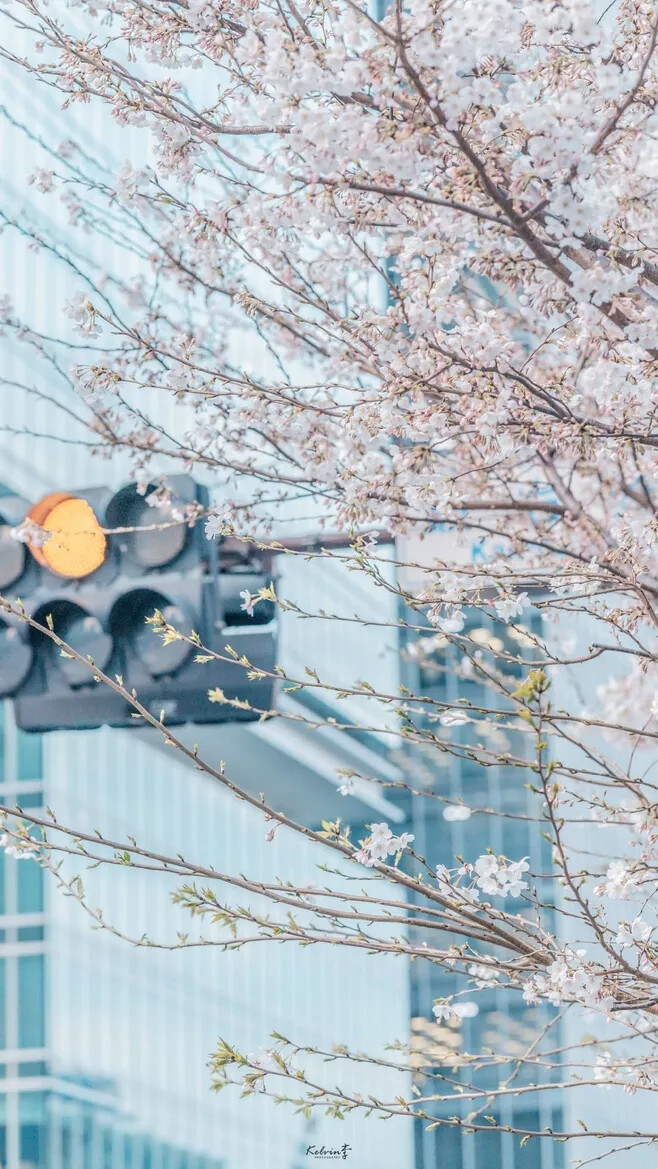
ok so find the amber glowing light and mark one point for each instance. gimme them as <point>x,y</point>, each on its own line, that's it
<point>77,545</point>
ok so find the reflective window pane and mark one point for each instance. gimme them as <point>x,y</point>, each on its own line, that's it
<point>30,886</point>
<point>31,999</point>
<point>29,755</point>
<point>3,1029</point>
<point>32,1146</point>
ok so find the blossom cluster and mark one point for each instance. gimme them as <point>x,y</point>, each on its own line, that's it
<point>448,1009</point>
<point>569,979</point>
<point>18,847</point>
<point>502,878</point>
<point>380,844</point>
<point>489,874</point>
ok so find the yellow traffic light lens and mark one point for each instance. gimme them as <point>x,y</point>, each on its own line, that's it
<point>77,546</point>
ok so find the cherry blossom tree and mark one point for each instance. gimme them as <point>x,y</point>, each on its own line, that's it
<point>432,230</point>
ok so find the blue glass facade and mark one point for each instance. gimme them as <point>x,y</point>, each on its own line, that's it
<point>504,1024</point>
<point>104,1046</point>
<point>51,1121</point>
<point>22,966</point>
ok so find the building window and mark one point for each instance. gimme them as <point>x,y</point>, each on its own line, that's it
<point>3,1027</point>
<point>37,1068</point>
<point>29,756</point>
<point>488,1149</point>
<point>30,886</point>
<point>31,1028</point>
<point>32,1146</point>
<point>2,742</point>
<point>528,1157</point>
<point>32,1130</point>
<point>442,1146</point>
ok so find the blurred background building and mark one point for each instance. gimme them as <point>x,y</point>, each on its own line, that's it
<point>104,1047</point>
<point>504,1024</point>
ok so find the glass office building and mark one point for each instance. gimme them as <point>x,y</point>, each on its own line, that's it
<point>104,1046</point>
<point>59,1112</point>
<point>504,1023</point>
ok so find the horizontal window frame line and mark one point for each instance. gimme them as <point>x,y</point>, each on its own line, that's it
<point>10,921</point>
<point>23,949</point>
<point>22,1055</point>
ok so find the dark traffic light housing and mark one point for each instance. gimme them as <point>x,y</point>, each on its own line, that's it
<point>155,558</point>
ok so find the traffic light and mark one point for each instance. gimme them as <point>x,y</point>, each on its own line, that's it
<point>110,560</point>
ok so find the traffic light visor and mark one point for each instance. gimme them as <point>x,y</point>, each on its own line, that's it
<point>154,538</point>
<point>129,620</point>
<point>15,658</point>
<point>83,632</point>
